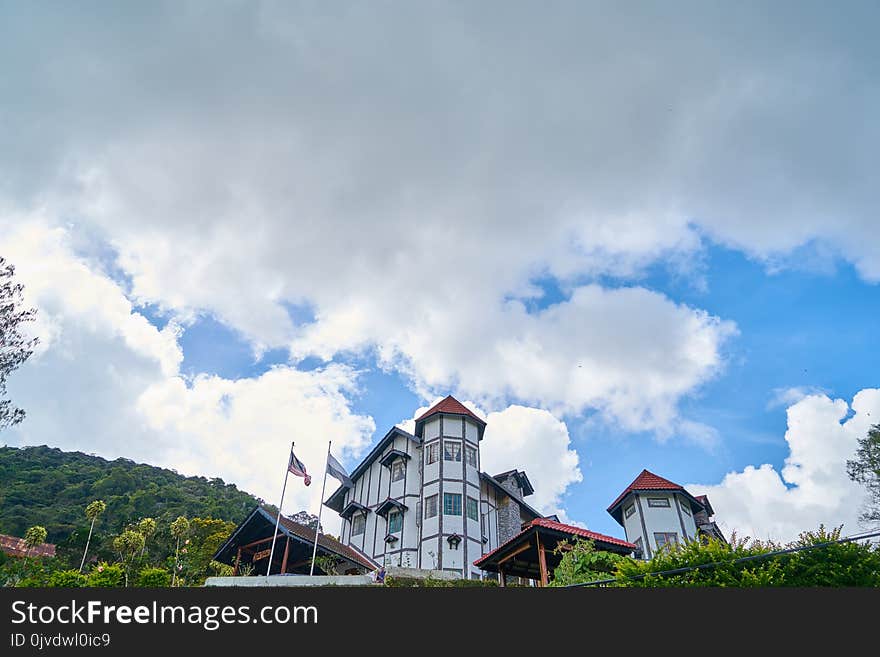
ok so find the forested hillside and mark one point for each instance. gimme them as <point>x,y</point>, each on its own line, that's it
<point>49,487</point>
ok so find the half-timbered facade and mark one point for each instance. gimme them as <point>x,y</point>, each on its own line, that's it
<point>421,500</point>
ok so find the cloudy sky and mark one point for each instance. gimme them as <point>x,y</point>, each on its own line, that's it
<point>638,235</point>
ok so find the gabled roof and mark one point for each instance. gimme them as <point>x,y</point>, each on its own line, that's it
<point>519,500</point>
<point>335,500</point>
<point>306,535</point>
<point>452,406</point>
<point>521,479</point>
<point>562,528</point>
<point>647,481</point>
<point>702,499</point>
<point>17,547</point>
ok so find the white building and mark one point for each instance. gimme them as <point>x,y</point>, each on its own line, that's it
<point>422,501</point>
<point>654,511</point>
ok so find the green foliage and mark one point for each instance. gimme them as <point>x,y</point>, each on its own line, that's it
<point>68,579</point>
<point>35,536</point>
<point>865,469</point>
<point>48,487</point>
<point>582,562</point>
<point>154,577</point>
<point>95,509</point>
<point>430,582</point>
<point>17,345</point>
<point>844,564</point>
<point>106,575</point>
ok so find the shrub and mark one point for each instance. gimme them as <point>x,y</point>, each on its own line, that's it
<point>105,575</point>
<point>430,582</point>
<point>154,578</point>
<point>67,579</point>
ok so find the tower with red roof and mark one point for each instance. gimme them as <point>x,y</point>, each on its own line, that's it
<point>655,512</point>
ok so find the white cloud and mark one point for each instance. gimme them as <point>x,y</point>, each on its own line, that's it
<point>405,197</point>
<point>812,487</point>
<point>106,381</point>
<point>529,439</point>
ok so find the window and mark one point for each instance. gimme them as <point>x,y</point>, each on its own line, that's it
<point>398,470</point>
<point>395,522</point>
<point>686,508</point>
<point>432,453</point>
<point>470,455</point>
<point>473,509</point>
<point>431,506</point>
<point>358,524</point>
<point>631,509</point>
<point>451,504</point>
<point>658,501</point>
<point>451,450</point>
<point>661,539</point>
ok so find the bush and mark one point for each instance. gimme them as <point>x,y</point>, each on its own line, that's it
<point>429,582</point>
<point>841,564</point>
<point>105,575</point>
<point>154,578</point>
<point>582,562</point>
<point>67,579</point>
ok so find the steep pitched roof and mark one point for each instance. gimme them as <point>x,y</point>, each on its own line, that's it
<point>553,525</point>
<point>16,547</point>
<point>450,405</point>
<point>645,481</point>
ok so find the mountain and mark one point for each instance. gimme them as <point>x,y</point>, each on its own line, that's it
<point>46,486</point>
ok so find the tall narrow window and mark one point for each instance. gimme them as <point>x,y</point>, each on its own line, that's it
<point>430,506</point>
<point>473,509</point>
<point>686,508</point>
<point>358,524</point>
<point>452,450</point>
<point>470,455</point>
<point>631,509</point>
<point>451,504</point>
<point>395,522</point>
<point>432,453</point>
<point>398,470</point>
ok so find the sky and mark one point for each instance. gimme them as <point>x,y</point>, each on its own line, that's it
<point>629,236</point>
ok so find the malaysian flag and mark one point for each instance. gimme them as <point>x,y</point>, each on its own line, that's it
<point>296,467</point>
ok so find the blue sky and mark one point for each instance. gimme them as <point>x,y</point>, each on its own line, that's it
<point>634,236</point>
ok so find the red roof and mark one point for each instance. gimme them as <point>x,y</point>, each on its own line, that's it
<point>328,543</point>
<point>646,481</point>
<point>560,527</point>
<point>16,547</point>
<point>450,405</point>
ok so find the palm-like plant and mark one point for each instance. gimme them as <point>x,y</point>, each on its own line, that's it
<point>146,527</point>
<point>179,528</point>
<point>93,510</point>
<point>128,544</point>
<point>34,536</point>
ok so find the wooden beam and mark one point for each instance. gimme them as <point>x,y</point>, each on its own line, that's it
<point>521,548</point>
<point>262,540</point>
<point>542,560</point>
<point>237,561</point>
<point>284,560</point>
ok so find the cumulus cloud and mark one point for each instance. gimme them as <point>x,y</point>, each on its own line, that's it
<point>529,439</point>
<point>388,172</point>
<point>812,487</point>
<point>105,380</point>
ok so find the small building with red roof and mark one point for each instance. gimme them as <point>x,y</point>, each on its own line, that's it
<point>655,511</point>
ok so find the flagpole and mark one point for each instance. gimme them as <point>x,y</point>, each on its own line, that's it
<point>278,519</point>
<point>320,508</point>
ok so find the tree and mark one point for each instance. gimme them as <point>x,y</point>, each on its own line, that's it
<point>128,544</point>
<point>179,529</point>
<point>146,527</point>
<point>307,519</point>
<point>582,562</point>
<point>15,347</point>
<point>34,536</point>
<point>865,469</point>
<point>93,510</point>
